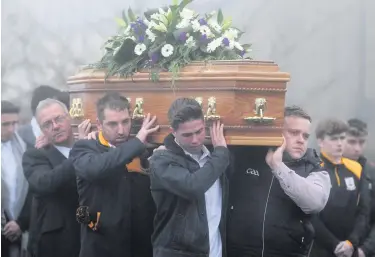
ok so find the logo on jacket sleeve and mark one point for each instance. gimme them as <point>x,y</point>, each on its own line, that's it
<point>252,172</point>
<point>350,184</point>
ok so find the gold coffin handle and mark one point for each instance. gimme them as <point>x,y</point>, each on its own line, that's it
<point>76,108</point>
<point>211,114</point>
<point>260,106</point>
<point>138,109</point>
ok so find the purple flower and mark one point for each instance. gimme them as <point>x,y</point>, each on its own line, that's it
<point>204,38</point>
<point>182,36</point>
<point>242,53</point>
<point>141,23</point>
<point>202,22</point>
<point>154,58</point>
<point>225,41</point>
<point>141,38</point>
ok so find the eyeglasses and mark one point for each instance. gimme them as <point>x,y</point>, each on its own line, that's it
<point>48,125</point>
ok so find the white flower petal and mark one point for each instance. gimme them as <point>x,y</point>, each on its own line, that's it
<point>139,49</point>
<point>187,14</point>
<point>190,42</point>
<point>150,35</point>
<point>167,50</point>
<point>238,46</point>
<point>195,24</point>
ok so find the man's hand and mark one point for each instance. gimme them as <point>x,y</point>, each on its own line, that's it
<point>344,249</point>
<point>84,129</point>
<point>12,231</point>
<point>275,158</point>
<point>147,128</point>
<point>217,134</point>
<point>92,135</point>
<point>41,142</point>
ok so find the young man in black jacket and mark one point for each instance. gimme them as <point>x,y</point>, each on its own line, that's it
<point>273,193</point>
<point>356,138</point>
<point>188,184</point>
<point>104,184</point>
<point>343,222</point>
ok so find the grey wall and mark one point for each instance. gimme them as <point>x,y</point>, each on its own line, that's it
<point>327,46</point>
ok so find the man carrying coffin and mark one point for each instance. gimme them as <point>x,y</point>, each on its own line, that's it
<point>273,193</point>
<point>103,181</point>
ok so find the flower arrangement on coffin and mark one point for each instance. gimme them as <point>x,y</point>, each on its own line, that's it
<point>167,39</point>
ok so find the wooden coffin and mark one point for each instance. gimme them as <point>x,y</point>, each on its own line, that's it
<point>247,96</point>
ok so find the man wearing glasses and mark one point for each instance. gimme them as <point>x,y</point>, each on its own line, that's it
<point>52,181</point>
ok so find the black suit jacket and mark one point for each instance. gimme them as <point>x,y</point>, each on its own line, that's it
<point>52,182</point>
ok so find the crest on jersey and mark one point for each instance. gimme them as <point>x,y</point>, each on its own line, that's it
<point>350,184</point>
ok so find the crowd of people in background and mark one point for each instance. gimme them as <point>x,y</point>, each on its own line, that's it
<point>67,195</point>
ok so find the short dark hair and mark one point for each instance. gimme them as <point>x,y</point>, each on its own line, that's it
<point>64,97</point>
<point>330,127</point>
<point>183,110</point>
<point>113,101</point>
<point>9,108</point>
<point>42,93</point>
<point>357,128</point>
<point>296,111</point>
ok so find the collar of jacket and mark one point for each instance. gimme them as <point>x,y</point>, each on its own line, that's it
<point>135,165</point>
<point>311,156</point>
<point>353,166</point>
<point>329,160</point>
<point>103,141</point>
<point>170,144</point>
<point>362,160</point>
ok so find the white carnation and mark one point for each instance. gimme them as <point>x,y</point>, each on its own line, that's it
<point>214,44</point>
<point>139,49</point>
<point>205,30</point>
<point>167,50</point>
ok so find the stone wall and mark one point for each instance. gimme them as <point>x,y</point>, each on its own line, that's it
<point>327,46</point>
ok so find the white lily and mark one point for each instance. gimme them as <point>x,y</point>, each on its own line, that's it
<point>161,27</point>
<point>238,46</point>
<point>231,34</point>
<point>183,24</point>
<point>214,25</point>
<point>187,14</point>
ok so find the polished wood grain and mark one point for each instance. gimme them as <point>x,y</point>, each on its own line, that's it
<point>235,84</point>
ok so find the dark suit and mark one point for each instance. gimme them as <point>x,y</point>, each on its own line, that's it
<point>52,181</point>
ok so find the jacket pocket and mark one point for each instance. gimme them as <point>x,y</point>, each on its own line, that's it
<point>299,231</point>
<point>178,229</point>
